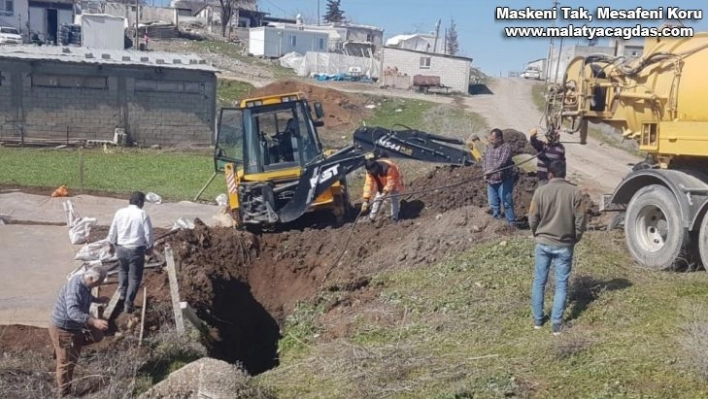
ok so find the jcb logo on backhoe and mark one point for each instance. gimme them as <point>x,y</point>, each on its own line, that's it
<point>333,171</point>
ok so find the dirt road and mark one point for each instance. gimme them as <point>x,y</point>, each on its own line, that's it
<point>596,166</point>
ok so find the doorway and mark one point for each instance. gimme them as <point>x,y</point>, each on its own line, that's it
<point>52,25</point>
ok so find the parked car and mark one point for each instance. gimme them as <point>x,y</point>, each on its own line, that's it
<point>9,35</point>
<point>531,73</point>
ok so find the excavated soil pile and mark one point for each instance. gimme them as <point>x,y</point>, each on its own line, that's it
<point>518,141</point>
<point>465,186</point>
<point>343,111</point>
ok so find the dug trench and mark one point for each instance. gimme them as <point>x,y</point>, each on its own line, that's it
<point>244,285</point>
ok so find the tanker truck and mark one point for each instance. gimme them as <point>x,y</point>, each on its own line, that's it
<point>661,101</point>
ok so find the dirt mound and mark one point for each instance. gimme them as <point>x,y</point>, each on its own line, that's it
<point>465,186</point>
<point>518,141</point>
<point>343,111</point>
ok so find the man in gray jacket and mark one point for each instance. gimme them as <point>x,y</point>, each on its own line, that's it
<point>71,326</point>
<point>557,216</point>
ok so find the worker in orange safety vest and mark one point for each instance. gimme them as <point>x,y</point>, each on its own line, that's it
<point>383,179</point>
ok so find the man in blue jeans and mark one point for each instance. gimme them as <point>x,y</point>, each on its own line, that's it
<point>499,174</point>
<point>557,217</point>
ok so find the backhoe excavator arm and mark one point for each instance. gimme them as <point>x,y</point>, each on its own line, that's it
<point>407,144</point>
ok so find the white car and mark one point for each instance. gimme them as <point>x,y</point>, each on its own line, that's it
<point>531,73</point>
<point>9,36</point>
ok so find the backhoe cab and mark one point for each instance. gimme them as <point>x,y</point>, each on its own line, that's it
<point>262,146</point>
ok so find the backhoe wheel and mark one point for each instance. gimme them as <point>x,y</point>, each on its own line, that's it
<point>653,229</point>
<point>703,241</point>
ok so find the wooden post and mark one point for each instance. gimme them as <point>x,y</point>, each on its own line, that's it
<point>111,308</point>
<point>174,289</point>
<point>142,316</point>
<point>81,170</point>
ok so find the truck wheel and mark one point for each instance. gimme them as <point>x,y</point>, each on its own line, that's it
<point>703,241</point>
<point>653,229</point>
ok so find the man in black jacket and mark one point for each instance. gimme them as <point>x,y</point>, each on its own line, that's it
<point>549,151</point>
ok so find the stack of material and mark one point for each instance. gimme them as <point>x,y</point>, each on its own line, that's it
<point>70,34</point>
<point>159,30</point>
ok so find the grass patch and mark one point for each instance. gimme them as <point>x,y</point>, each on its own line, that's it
<point>391,111</point>
<point>230,91</point>
<point>464,330</point>
<point>238,52</point>
<point>172,175</point>
<point>232,50</point>
<point>538,95</point>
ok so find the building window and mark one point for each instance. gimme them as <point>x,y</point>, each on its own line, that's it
<point>293,40</point>
<point>70,82</point>
<point>424,62</point>
<point>321,43</point>
<point>7,7</point>
<point>167,86</point>
<point>634,53</point>
<point>369,38</point>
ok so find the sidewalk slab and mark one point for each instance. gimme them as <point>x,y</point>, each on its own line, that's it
<point>43,209</point>
<point>32,278</point>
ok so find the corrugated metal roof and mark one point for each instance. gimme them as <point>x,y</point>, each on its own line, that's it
<point>106,57</point>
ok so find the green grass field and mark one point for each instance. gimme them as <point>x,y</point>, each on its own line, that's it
<point>230,91</point>
<point>172,175</point>
<point>462,329</point>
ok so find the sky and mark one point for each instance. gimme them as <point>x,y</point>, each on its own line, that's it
<point>480,36</point>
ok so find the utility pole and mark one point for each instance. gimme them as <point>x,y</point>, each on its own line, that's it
<point>136,44</point>
<point>318,12</point>
<point>550,51</point>
<point>445,42</point>
<point>437,32</point>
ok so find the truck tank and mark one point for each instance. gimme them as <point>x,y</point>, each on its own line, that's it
<point>656,99</point>
<point>660,100</point>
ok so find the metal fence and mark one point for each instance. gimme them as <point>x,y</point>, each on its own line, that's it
<point>43,134</point>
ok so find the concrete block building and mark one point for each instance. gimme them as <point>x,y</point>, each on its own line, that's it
<point>401,65</point>
<point>55,94</point>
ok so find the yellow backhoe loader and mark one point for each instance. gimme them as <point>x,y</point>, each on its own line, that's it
<point>277,170</point>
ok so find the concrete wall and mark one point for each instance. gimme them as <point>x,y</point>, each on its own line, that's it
<point>567,53</point>
<point>38,20</point>
<point>18,18</point>
<point>454,72</point>
<point>49,99</point>
<point>364,34</point>
<point>146,13</point>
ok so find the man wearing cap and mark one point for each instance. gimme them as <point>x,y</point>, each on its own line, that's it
<point>71,326</point>
<point>549,151</point>
<point>132,238</point>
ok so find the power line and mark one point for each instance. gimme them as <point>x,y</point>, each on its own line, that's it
<point>274,5</point>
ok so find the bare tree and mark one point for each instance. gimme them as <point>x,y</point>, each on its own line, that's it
<point>229,9</point>
<point>453,45</point>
